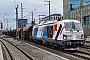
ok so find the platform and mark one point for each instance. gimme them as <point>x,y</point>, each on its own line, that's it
<point>1,53</point>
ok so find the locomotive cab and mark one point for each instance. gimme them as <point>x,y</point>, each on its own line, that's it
<point>73,35</point>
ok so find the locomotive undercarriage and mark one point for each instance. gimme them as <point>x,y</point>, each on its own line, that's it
<point>61,44</point>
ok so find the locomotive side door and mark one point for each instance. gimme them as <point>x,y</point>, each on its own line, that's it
<point>50,31</point>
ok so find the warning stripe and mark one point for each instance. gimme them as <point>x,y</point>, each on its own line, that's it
<point>62,29</point>
<point>58,32</point>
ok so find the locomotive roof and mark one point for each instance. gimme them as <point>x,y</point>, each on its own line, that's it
<point>48,22</point>
<point>70,20</point>
<point>52,22</point>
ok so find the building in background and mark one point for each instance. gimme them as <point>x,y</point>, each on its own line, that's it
<point>71,10</point>
<point>69,5</point>
<point>22,23</point>
<point>75,13</point>
<point>52,17</point>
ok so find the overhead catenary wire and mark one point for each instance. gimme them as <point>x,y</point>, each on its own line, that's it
<point>8,5</point>
<point>10,16</point>
<point>32,10</point>
<point>44,12</point>
<point>12,6</point>
<point>28,14</point>
<point>10,9</point>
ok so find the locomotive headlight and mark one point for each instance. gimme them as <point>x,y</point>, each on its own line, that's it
<point>82,37</point>
<point>64,37</point>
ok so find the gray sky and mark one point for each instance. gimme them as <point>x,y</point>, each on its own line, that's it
<point>8,7</point>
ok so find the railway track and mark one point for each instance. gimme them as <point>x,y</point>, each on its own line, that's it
<point>38,56</point>
<point>81,53</point>
<point>6,52</point>
<point>14,52</point>
<point>86,47</point>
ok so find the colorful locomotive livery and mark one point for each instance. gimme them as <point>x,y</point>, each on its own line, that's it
<point>58,33</point>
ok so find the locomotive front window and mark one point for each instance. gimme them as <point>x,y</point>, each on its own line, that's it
<point>73,26</point>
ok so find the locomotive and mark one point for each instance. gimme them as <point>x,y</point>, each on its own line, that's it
<point>58,33</point>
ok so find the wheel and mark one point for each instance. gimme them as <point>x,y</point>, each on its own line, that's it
<point>59,47</point>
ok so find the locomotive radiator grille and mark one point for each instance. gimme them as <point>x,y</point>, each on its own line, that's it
<point>69,37</point>
<point>78,36</point>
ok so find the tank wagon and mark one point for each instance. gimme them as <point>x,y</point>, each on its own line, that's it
<point>58,33</point>
<point>27,32</point>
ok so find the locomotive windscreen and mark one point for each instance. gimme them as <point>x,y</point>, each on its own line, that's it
<point>73,26</point>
